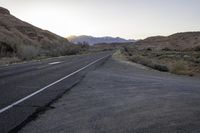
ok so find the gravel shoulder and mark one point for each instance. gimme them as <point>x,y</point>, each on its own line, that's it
<point>120,98</point>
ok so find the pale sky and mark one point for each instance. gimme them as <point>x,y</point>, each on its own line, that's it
<point>124,18</point>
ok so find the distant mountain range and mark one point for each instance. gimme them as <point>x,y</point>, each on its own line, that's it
<point>97,40</point>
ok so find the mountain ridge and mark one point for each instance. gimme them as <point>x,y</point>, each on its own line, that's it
<point>177,41</point>
<point>96,40</point>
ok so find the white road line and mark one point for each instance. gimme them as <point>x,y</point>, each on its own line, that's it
<point>54,63</point>
<point>44,88</point>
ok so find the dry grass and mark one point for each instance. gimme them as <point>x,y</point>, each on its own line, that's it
<point>118,55</point>
<point>177,62</point>
<point>27,52</point>
<point>180,68</point>
<point>148,62</point>
<point>9,60</point>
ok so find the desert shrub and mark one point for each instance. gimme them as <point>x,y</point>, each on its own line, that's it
<point>141,60</point>
<point>177,62</point>
<point>149,49</point>
<point>27,52</point>
<point>53,52</point>
<point>177,67</point>
<point>160,67</point>
<point>197,48</point>
<point>181,68</point>
<point>128,50</point>
<point>125,49</point>
<point>9,60</point>
<point>6,50</point>
<point>72,50</point>
<point>149,63</point>
<point>85,46</point>
<point>166,49</point>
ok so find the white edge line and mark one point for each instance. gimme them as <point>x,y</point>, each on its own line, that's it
<point>44,88</point>
<point>54,63</point>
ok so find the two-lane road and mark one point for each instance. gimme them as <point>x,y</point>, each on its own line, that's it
<point>25,88</point>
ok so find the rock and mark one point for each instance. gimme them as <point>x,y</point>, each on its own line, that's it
<point>4,11</point>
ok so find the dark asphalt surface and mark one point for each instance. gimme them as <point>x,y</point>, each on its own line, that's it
<point>122,98</point>
<point>18,81</point>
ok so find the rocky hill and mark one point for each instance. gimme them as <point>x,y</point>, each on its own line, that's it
<point>97,40</point>
<point>178,41</point>
<point>178,53</point>
<point>18,38</point>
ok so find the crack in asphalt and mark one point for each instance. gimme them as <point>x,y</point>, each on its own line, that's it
<point>41,109</point>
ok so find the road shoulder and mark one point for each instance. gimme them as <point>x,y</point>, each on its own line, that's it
<point>118,98</point>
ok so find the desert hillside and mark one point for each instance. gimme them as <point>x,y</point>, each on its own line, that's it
<point>178,41</point>
<point>177,53</point>
<point>23,40</point>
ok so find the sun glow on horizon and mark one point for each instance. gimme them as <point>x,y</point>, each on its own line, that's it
<point>130,19</point>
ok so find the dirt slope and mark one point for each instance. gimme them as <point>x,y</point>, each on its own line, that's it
<point>17,36</point>
<point>179,41</point>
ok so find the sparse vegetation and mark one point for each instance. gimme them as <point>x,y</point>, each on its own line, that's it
<point>20,41</point>
<point>27,52</point>
<point>9,60</point>
<point>148,62</point>
<point>177,53</point>
<point>197,48</point>
<point>177,62</point>
<point>181,68</point>
<point>6,49</point>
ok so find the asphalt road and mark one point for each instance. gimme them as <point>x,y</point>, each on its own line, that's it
<point>124,98</point>
<point>21,84</point>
